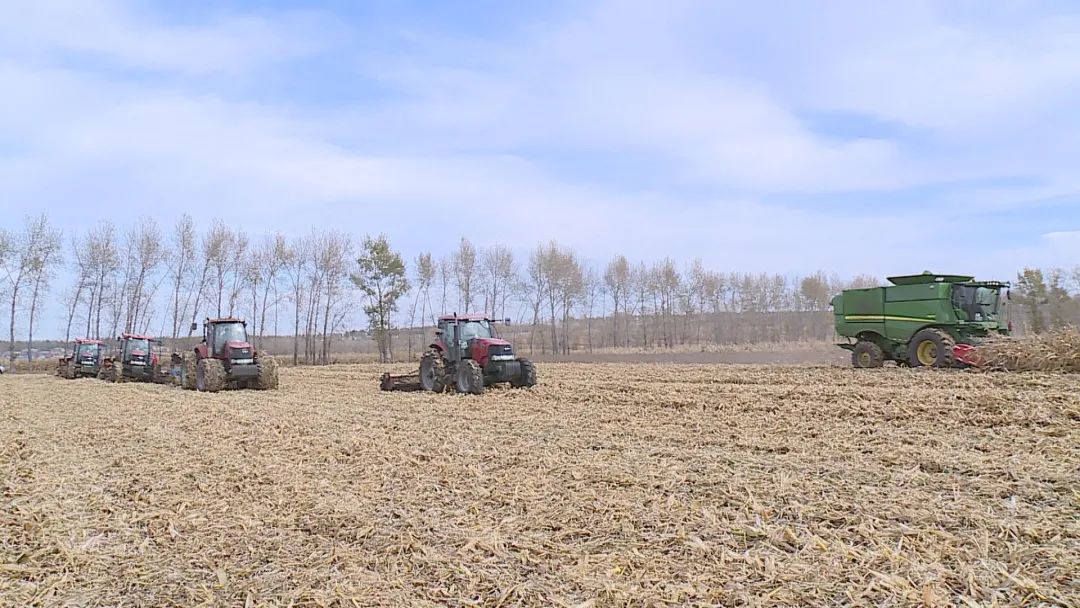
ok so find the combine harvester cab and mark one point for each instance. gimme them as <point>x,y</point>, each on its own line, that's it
<point>84,361</point>
<point>923,320</point>
<point>466,356</point>
<point>226,360</point>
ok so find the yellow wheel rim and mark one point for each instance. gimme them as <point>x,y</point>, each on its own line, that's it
<point>864,359</point>
<point>927,353</point>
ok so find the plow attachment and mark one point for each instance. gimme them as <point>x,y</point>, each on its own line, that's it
<point>400,382</point>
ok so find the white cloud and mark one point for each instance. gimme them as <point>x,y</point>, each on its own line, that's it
<point>452,152</point>
<point>113,32</point>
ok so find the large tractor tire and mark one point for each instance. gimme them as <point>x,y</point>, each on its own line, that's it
<point>470,378</point>
<point>867,354</point>
<point>209,375</point>
<point>433,372</point>
<point>528,375</point>
<point>931,348</point>
<point>268,373</point>
<point>187,372</point>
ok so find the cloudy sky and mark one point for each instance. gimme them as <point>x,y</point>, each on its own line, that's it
<point>859,137</point>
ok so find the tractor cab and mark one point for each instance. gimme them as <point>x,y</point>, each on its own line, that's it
<point>86,352</point>
<point>227,339</point>
<point>472,337</point>
<point>226,335</point>
<point>135,350</point>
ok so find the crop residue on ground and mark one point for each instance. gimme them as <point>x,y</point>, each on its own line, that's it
<point>608,484</point>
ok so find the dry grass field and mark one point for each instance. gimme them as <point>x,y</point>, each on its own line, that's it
<point>608,485</point>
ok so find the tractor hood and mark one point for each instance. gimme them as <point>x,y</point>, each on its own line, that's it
<point>488,342</point>
<point>239,345</point>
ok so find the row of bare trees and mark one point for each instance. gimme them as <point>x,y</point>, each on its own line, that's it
<point>568,302</point>
<point>146,279</point>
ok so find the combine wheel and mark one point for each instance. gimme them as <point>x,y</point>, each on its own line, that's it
<point>528,375</point>
<point>470,378</point>
<point>268,373</point>
<point>931,348</point>
<point>867,354</point>
<point>209,375</point>
<point>433,372</point>
<point>187,372</point>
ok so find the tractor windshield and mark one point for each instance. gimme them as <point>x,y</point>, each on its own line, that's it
<point>229,332</point>
<point>475,329</point>
<point>136,345</point>
<point>977,303</point>
<point>87,351</point>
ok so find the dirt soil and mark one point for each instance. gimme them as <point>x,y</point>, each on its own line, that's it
<point>607,485</point>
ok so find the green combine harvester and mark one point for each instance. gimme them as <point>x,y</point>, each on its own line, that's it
<point>932,320</point>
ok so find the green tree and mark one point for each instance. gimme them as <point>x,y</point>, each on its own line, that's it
<point>381,278</point>
<point>1032,291</point>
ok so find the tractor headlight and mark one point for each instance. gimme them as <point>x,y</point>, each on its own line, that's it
<point>243,361</point>
<point>502,357</point>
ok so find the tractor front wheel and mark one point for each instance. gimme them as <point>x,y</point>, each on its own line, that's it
<point>268,373</point>
<point>867,354</point>
<point>432,372</point>
<point>931,348</point>
<point>528,375</point>
<point>209,375</point>
<point>470,378</point>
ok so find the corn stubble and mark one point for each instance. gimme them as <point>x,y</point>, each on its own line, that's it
<point>1054,351</point>
<point>608,485</point>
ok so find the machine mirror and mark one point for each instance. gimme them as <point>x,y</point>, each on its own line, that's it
<point>194,326</point>
<point>506,321</point>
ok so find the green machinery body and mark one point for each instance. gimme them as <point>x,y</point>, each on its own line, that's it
<point>947,310</point>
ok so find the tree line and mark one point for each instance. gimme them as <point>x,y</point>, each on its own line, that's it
<point>147,279</point>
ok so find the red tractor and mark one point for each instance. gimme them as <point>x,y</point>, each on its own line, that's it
<point>85,359</point>
<point>225,359</point>
<point>135,359</point>
<point>467,355</point>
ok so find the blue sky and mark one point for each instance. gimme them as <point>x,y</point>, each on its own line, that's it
<point>848,136</point>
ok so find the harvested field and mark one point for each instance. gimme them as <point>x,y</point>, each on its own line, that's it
<point>610,484</point>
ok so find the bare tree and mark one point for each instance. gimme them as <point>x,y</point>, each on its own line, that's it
<point>275,253</point>
<point>294,263</point>
<point>27,259</point>
<point>145,254</point>
<point>423,275</point>
<point>182,269</point>
<point>333,250</point>
<point>464,265</point>
<point>103,263</point>
<point>617,279</point>
<point>499,273</point>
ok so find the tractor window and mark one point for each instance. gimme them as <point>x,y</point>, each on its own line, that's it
<point>87,350</point>
<point>135,345</point>
<point>475,329</point>
<point>228,332</point>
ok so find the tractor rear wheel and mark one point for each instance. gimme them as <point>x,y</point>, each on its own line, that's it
<point>527,377</point>
<point>187,372</point>
<point>867,354</point>
<point>268,373</point>
<point>209,375</point>
<point>433,372</point>
<point>470,378</point>
<point>931,348</point>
